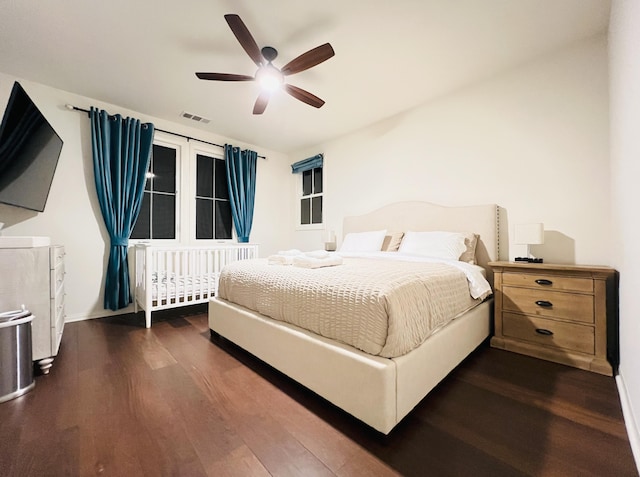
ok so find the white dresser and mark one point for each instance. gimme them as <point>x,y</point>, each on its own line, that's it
<point>34,277</point>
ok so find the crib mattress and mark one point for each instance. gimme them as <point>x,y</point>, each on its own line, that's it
<point>169,286</point>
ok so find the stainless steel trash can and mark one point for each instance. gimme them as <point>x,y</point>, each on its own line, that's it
<point>16,365</point>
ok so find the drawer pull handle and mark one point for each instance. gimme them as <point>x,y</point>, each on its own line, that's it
<point>542,331</point>
<point>544,303</point>
<point>543,281</point>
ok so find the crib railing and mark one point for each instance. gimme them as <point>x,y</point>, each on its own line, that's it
<point>172,276</point>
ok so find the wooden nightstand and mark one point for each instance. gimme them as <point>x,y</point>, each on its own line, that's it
<point>557,312</point>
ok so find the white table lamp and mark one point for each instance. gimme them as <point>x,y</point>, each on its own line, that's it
<point>529,234</point>
<point>330,240</point>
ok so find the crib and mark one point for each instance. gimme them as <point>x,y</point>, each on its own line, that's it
<point>174,276</point>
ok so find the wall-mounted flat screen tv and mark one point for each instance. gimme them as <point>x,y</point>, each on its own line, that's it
<point>29,152</point>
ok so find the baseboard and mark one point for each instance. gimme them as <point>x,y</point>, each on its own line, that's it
<point>98,314</point>
<point>70,318</point>
<point>629,420</point>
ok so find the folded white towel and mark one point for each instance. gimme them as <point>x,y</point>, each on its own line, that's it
<point>280,260</point>
<point>318,254</point>
<point>304,261</point>
<point>287,257</point>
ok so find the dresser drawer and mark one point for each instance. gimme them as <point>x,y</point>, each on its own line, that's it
<point>548,282</point>
<point>57,279</point>
<point>57,320</point>
<point>57,308</point>
<point>566,336</point>
<point>56,255</point>
<point>553,304</point>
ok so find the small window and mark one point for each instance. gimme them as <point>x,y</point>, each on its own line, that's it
<point>157,218</point>
<point>311,197</point>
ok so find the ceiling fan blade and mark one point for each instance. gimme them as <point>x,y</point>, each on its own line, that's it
<point>224,77</point>
<point>307,60</point>
<point>261,102</point>
<point>243,35</point>
<point>303,96</point>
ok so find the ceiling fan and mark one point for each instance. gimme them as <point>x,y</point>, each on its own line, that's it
<point>270,77</point>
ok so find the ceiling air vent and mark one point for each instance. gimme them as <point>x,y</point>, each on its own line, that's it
<point>195,117</point>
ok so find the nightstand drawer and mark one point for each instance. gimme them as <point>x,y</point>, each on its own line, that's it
<point>567,336</point>
<point>548,282</point>
<point>553,304</point>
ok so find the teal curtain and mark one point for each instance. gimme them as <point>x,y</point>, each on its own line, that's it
<point>241,178</point>
<point>121,155</point>
<point>307,164</point>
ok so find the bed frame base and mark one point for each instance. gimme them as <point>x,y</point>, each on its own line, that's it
<point>378,391</point>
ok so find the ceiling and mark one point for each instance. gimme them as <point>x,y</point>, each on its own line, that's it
<point>390,55</point>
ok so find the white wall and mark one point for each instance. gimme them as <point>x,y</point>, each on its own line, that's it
<point>72,215</point>
<point>624,38</point>
<point>534,140</point>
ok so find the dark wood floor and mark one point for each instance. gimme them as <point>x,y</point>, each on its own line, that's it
<point>125,401</point>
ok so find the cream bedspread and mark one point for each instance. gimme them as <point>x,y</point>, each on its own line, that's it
<point>382,307</point>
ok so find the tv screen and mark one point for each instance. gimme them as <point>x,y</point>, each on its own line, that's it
<point>29,152</point>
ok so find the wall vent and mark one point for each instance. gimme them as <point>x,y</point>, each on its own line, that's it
<point>195,117</point>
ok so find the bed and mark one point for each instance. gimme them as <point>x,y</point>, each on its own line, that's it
<point>376,389</point>
<point>174,276</point>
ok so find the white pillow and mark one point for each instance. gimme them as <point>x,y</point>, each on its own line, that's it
<point>363,241</point>
<point>447,245</point>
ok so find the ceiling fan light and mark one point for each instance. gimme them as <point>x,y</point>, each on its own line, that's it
<point>269,78</point>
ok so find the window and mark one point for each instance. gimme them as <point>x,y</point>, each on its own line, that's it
<point>310,189</point>
<point>157,219</point>
<point>213,208</point>
<point>311,200</point>
<point>186,197</point>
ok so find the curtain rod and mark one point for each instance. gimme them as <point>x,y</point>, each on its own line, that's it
<point>71,107</point>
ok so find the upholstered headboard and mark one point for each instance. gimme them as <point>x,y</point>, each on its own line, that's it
<point>425,216</point>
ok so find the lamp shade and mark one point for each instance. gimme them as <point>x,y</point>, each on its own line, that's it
<point>329,235</point>
<point>330,240</point>
<point>529,234</point>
